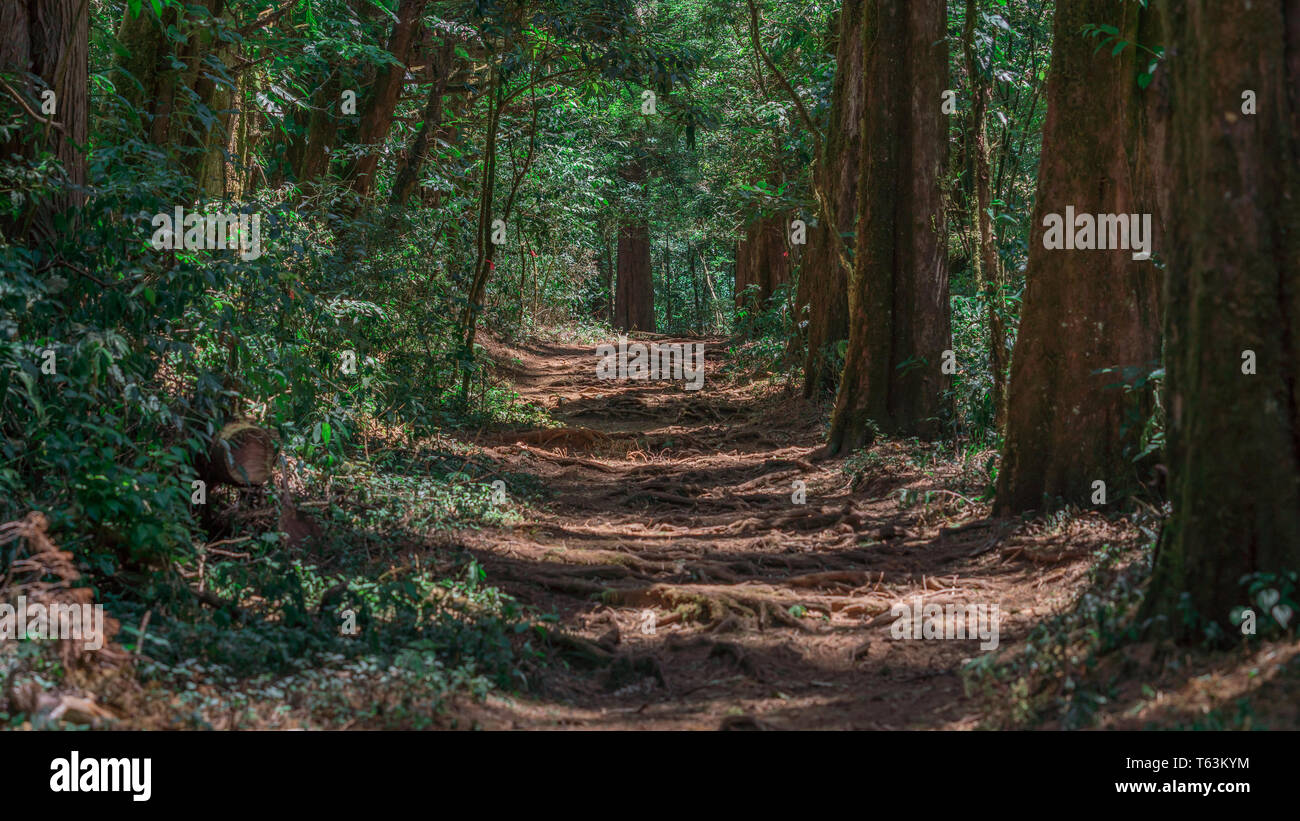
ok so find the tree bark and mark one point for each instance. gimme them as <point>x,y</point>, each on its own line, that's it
<point>1068,424</point>
<point>1232,284</point>
<point>48,39</point>
<point>309,154</point>
<point>898,293</point>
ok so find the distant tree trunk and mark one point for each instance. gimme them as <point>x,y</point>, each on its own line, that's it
<point>146,57</point>
<point>165,56</point>
<point>377,118</point>
<point>898,294</point>
<point>822,298</point>
<point>1233,285</point>
<point>695,287</point>
<point>234,164</point>
<point>634,290</point>
<point>668,287</point>
<point>1068,425</point>
<point>744,272</point>
<point>634,300</point>
<point>715,305</point>
<point>204,141</point>
<point>762,260</point>
<point>49,39</point>
<point>987,263</point>
<point>606,265</point>
<point>309,154</point>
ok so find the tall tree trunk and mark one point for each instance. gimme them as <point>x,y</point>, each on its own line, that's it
<point>668,287</point>
<point>1233,285</point>
<point>48,39</point>
<point>695,286</point>
<point>165,55</point>
<point>822,297</point>
<point>146,56</point>
<point>1068,424</point>
<point>377,119</point>
<point>898,294</point>
<point>987,263</point>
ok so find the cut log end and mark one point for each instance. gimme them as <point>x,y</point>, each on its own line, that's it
<point>242,454</point>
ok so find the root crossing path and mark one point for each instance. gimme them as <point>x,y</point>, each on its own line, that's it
<point>694,591</point>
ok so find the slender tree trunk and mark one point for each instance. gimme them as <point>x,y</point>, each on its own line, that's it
<point>1068,424</point>
<point>898,294</point>
<point>204,140</point>
<point>987,263</point>
<point>146,57</point>
<point>695,286</point>
<point>668,288</point>
<point>485,249</point>
<point>309,154</point>
<point>408,173</point>
<point>1232,286</point>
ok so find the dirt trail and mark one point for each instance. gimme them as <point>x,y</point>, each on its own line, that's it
<point>673,512</point>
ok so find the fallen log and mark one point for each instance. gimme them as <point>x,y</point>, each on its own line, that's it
<point>241,454</point>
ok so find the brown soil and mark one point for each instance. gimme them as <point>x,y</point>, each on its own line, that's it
<point>766,614</point>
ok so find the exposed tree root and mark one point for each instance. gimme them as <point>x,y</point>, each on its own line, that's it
<point>712,607</point>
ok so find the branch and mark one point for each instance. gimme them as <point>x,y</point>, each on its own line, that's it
<point>266,18</point>
<point>38,118</point>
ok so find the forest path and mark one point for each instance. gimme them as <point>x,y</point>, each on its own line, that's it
<point>704,596</point>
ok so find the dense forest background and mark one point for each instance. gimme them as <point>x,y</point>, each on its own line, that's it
<point>230,435</point>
